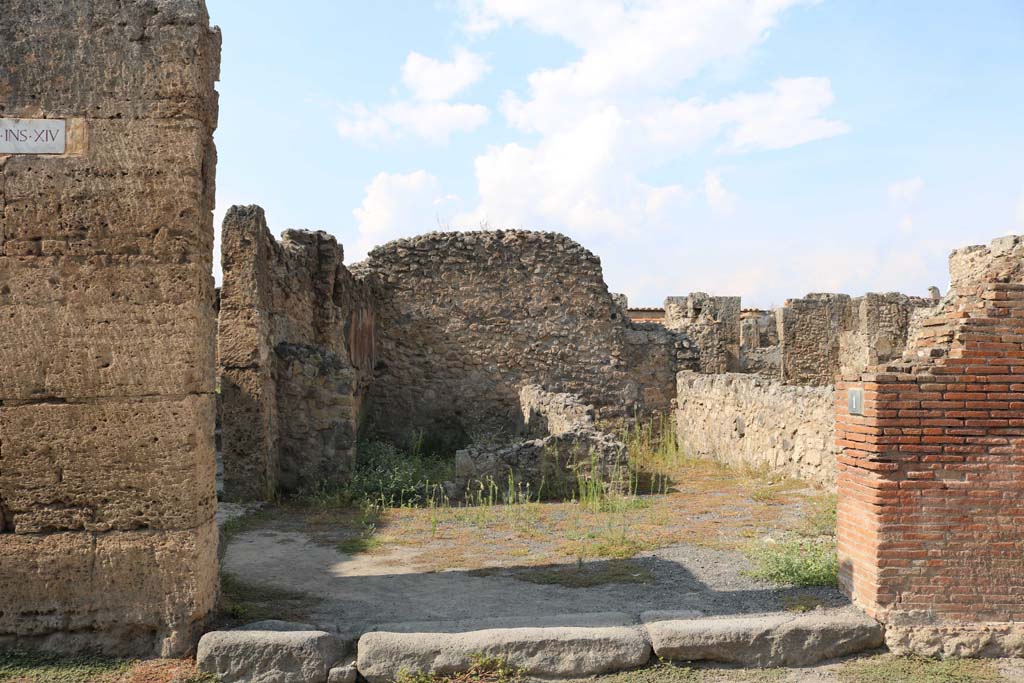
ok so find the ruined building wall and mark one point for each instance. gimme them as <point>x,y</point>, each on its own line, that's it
<point>759,343</point>
<point>745,419</point>
<point>466,319</point>
<point>295,354</point>
<point>878,329</point>
<point>823,335</point>
<point>808,331</point>
<point>931,491</point>
<point>712,323</point>
<point>107,537</point>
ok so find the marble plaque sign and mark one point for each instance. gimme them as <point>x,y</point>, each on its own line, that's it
<point>32,136</point>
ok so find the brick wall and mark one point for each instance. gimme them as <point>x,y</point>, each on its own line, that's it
<point>931,478</point>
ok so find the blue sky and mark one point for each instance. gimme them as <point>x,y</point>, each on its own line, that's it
<point>762,148</point>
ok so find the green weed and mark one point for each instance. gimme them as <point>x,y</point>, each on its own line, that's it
<point>797,562</point>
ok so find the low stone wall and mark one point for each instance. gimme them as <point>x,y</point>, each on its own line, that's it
<point>562,446</point>
<point>746,419</point>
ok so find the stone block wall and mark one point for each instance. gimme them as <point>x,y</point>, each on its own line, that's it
<point>823,335</point>
<point>879,329</point>
<point>107,538</point>
<point>808,331</point>
<point>745,419</point>
<point>296,352</point>
<point>931,480</point>
<point>465,319</point>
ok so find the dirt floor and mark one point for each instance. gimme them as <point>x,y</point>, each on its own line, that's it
<point>686,546</point>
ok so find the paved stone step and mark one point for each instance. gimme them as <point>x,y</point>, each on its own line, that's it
<point>769,640</point>
<point>558,647</point>
<point>270,652</point>
<point>566,646</point>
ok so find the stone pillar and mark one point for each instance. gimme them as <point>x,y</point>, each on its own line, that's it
<point>249,420</point>
<point>931,478</point>
<point>107,538</point>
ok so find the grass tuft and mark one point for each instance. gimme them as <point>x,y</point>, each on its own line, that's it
<point>483,669</point>
<point>797,562</point>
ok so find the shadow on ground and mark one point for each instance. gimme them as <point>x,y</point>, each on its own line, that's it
<point>354,592</point>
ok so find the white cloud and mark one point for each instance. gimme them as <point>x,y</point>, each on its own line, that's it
<point>433,80</point>
<point>786,116</point>
<point>604,119</point>
<point>399,205</point>
<point>719,198</point>
<point>905,190</point>
<point>580,179</point>
<point>432,121</point>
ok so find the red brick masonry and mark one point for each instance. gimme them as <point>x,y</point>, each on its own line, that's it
<point>931,476</point>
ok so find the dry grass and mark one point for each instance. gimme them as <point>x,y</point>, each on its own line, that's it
<point>675,500</point>
<point>38,667</point>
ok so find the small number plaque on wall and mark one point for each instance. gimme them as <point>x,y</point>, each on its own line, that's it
<point>855,398</point>
<point>32,136</point>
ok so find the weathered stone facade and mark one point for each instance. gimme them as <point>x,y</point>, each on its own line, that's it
<point>752,420</point>
<point>823,335</point>
<point>930,487</point>
<point>296,349</point>
<point>713,323</point>
<point>562,447</point>
<point>107,538</point>
<point>465,319</point>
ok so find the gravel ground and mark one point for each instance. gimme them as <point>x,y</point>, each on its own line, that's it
<point>356,592</point>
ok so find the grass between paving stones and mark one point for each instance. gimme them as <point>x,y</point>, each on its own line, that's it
<point>29,666</point>
<point>394,505</point>
<point>482,670</point>
<point>682,673</point>
<point>893,669</point>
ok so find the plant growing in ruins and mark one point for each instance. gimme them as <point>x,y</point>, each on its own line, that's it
<point>797,562</point>
<point>482,669</point>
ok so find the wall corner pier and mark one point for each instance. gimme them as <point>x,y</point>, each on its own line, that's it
<point>107,536</point>
<point>931,475</point>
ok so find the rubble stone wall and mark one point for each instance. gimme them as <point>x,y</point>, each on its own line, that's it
<point>466,319</point>
<point>931,491</point>
<point>744,419</point>
<point>561,446</point>
<point>713,323</point>
<point>107,537</point>
<point>808,331</point>
<point>878,331</point>
<point>296,345</point>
